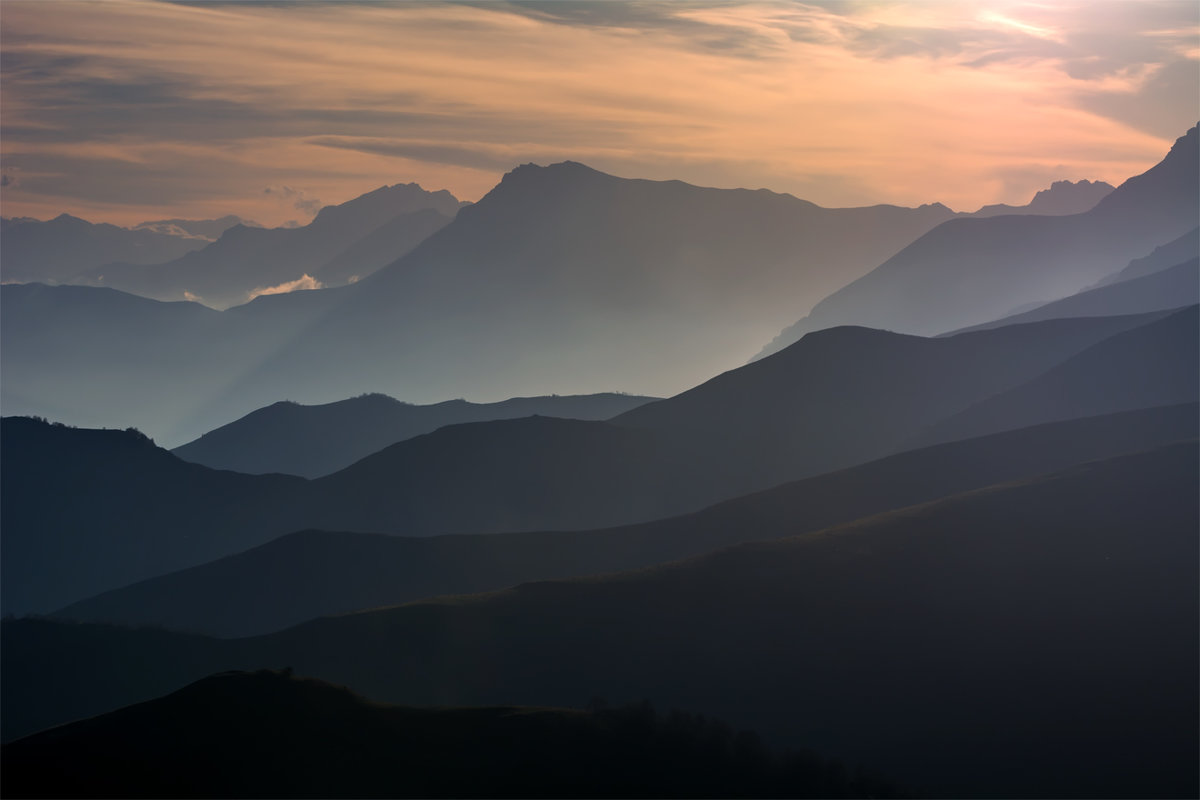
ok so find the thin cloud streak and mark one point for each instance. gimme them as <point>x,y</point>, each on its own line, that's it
<point>111,110</point>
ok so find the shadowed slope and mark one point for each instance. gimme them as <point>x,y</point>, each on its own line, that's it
<point>267,734</point>
<point>309,574</point>
<point>845,395</point>
<point>1031,639</point>
<point>88,510</point>
<point>317,440</point>
<point>1156,364</point>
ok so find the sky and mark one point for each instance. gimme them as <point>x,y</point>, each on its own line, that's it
<point>122,112</point>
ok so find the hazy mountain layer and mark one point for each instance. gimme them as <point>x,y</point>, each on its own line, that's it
<point>837,398</point>
<point>968,271</point>
<point>57,250</point>
<point>1161,290</point>
<point>562,279</point>
<point>318,440</point>
<point>267,734</point>
<point>1175,252</point>
<point>343,241</point>
<point>1156,364</point>
<point>1031,639</point>
<point>313,573</point>
<point>846,395</point>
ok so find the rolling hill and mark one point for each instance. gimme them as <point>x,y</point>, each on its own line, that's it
<point>318,440</point>
<point>268,734</point>
<point>1064,666</point>
<point>314,573</point>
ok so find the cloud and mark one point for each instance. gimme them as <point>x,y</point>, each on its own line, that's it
<point>193,298</point>
<point>303,283</point>
<point>297,197</point>
<point>112,109</point>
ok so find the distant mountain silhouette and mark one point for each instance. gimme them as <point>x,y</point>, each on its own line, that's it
<point>318,440</point>
<point>846,395</point>
<point>381,246</point>
<point>244,259</point>
<point>1031,639</point>
<point>1061,199</point>
<point>314,573</point>
<point>1157,364</point>
<point>1183,249</point>
<point>268,734</point>
<point>1166,289</point>
<point>56,250</point>
<point>561,279</point>
<point>208,229</point>
<point>968,271</point>
<point>837,398</point>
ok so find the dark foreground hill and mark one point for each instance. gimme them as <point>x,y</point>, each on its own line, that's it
<point>267,734</point>
<point>1032,639</point>
<point>313,573</point>
<point>318,440</point>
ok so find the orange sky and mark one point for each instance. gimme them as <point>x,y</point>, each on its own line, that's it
<point>126,111</point>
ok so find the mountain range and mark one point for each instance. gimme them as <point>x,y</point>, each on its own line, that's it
<point>1063,666</point>
<point>342,243</point>
<point>562,278</point>
<point>968,271</point>
<point>834,399</point>
<point>318,440</point>
<point>313,573</point>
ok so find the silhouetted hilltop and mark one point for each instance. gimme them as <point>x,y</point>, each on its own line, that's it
<point>268,734</point>
<point>317,440</point>
<point>244,260</point>
<point>968,271</point>
<point>89,510</point>
<point>57,250</point>
<point>845,395</point>
<point>1031,639</point>
<point>314,573</point>
<point>1156,364</point>
<point>1060,199</point>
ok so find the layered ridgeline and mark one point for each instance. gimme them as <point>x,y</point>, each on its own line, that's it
<point>1034,639</point>
<point>57,250</point>
<point>268,734</point>
<point>342,244</point>
<point>561,279</point>
<point>969,271</point>
<point>318,440</point>
<point>834,399</point>
<point>313,573</point>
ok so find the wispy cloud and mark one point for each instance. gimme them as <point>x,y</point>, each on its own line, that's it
<point>302,283</point>
<point>121,110</point>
